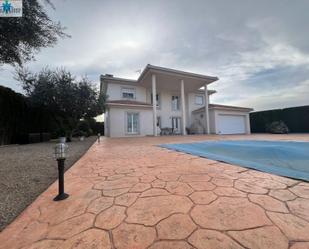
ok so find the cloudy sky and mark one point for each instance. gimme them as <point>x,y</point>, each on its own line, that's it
<point>258,49</point>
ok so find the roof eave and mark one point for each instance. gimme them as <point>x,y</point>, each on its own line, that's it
<point>129,105</point>
<point>210,79</point>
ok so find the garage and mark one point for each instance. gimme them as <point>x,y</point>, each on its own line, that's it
<point>231,124</point>
<point>224,119</point>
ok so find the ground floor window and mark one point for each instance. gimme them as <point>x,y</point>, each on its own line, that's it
<point>132,123</point>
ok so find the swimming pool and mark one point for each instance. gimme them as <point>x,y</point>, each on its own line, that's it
<point>285,158</point>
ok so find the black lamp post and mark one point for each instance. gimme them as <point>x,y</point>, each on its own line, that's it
<point>60,151</point>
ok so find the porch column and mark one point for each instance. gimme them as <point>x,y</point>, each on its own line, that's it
<point>183,107</point>
<point>248,128</point>
<point>154,104</point>
<point>206,110</point>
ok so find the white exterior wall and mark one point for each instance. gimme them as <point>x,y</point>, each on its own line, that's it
<point>117,119</point>
<point>106,123</point>
<point>164,111</point>
<point>199,118</point>
<point>212,121</point>
<point>114,92</point>
<point>192,106</point>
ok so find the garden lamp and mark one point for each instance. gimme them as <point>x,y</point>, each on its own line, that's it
<point>99,137</point>
<point>60,154</point>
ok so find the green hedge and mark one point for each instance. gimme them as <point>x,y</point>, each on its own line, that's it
<point>18,118</point>
<point>296,118</point>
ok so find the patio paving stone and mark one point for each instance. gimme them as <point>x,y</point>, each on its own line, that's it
<point>231,192</point>
<point>179,188</point>
<point>110,218</point>
<point>150,210</point>
<point>293,227</point>
<point>100,204</point>
<point>126,199</point>
<point>228,213</point>
<point>171,245</point>
<point>203,197</point>
<point>130,193</point>
<point>202,239</point>
<point>177,226</point>
<point>301,190</point>
<point>249,187</point>
<point>300,207</point>
<point>133,236</point>
<point>263,237</point>
<point>282,194</point>
<point>268,203</point>
<point>71,227</point>
<point>92,238</point>
<point>140,187</point>
<point>300,245</point>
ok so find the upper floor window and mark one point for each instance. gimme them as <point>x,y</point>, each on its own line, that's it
<point>128,93</point>
<point>199,100</point>
<point>157,99</point>
<point>175,103</point>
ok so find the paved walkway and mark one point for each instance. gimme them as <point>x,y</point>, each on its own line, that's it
<point>128,193</point>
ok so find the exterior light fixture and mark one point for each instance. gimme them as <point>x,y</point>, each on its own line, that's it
<point>60,154</point>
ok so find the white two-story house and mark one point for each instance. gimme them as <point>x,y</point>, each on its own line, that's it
<point>167,101</point>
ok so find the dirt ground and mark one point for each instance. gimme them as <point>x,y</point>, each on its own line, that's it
<point>27,170</point>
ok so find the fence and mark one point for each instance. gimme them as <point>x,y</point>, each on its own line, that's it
<point>296,118</point>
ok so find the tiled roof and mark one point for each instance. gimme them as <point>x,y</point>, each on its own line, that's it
<point>225,107</point>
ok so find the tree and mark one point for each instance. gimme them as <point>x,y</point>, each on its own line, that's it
<point>21,37</point>
<point>61,93</point>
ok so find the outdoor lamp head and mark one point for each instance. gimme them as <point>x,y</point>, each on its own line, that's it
<point>60,151</point>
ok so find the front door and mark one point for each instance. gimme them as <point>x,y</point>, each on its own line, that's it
<point>176,125</point>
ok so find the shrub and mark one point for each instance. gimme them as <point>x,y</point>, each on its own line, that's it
<point>78,133</point>
<point>277,127</point>
<point>61,132</point>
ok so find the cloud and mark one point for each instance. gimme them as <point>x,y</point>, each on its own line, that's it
<point>258,49</point>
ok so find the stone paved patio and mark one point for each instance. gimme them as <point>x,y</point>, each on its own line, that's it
<point>128,193</point>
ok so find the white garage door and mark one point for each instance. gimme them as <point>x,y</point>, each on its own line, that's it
<point>231,124</point>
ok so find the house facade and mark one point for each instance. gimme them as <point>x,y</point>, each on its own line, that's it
<point>167,101</point>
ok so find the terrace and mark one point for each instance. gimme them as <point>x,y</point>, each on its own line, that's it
<point>131,193</point>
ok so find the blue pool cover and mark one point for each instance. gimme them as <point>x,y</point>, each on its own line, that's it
<point>285,158</point>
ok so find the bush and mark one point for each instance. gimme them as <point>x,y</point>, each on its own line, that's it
<point>296,118</point>
<point>79,133</point>
<point>86,126</point>
<point>277,127</point>
<point>61,132</point>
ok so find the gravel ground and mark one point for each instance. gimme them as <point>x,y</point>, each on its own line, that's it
<point>27,170</point>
